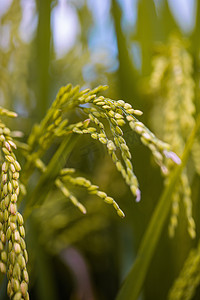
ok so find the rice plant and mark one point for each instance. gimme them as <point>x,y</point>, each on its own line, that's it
<point>99,151</point>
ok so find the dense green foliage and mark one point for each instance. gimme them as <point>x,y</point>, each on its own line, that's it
<point>66,145</point>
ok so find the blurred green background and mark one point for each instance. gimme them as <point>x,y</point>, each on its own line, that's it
<point>47,44</point>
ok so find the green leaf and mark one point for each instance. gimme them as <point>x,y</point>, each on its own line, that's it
<point>196,33</point>
<point>167,22</point>
<point>147,32</point>
<point>135,279</point>
<point>43,41</point>
<point>126,73</point>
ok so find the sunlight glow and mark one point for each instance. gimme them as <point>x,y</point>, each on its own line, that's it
<point>65,27</point>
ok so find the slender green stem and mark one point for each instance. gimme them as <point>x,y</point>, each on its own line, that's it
<point>45,282</point>
<point>135,279</point>
<point>43,55</point>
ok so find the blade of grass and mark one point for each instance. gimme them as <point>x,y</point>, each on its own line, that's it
<point>126,74</point>
<point>147,32</point>
<point>135,279</point>
<point>43,41</point>
<point>196,32</point>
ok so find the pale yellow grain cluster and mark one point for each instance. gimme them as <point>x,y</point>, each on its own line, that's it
<point>66,177</point>
<point>188,280</point>
<point>104,122</point>
<point>14,57</point>
<point>92,189</point>
<point>117,114</point>
<point>172,78</point>
<point>13,254</point>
